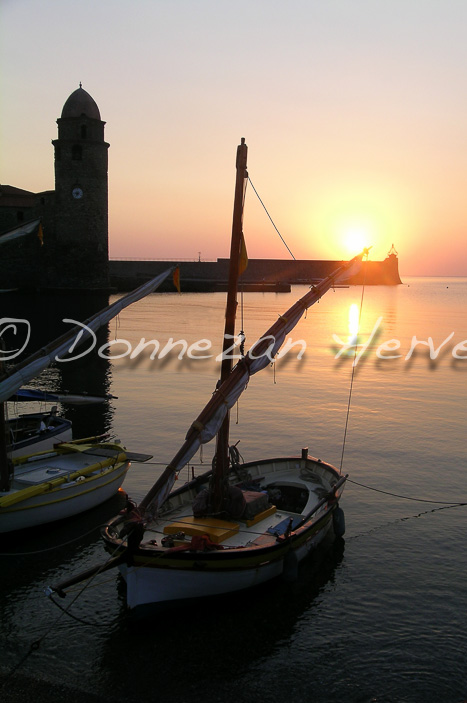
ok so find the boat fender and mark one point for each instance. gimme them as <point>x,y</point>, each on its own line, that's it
<point>290,567</point>
<point>338,521</point>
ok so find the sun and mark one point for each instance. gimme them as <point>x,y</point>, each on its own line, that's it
<point>355,238</point>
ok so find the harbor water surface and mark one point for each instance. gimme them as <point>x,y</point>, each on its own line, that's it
<point>379,616</point>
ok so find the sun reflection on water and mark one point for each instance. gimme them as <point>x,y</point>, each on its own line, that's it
<point>353,323</point>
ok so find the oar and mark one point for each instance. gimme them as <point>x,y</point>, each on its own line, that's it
<point>84,575</point>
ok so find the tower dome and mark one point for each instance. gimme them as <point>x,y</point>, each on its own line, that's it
<point>80,103</point>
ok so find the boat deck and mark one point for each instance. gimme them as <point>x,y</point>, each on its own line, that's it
<point>44,468</point>
<point>235,533</point>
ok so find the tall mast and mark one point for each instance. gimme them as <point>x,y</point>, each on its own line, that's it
<point>222,448</point>
<point>4,466</point>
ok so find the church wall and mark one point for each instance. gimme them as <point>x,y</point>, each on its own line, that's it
<point>74,254</point>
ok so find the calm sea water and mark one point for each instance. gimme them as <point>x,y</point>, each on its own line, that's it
<point>379,617</point>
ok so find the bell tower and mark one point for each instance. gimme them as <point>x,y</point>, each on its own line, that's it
<point>80,257</point>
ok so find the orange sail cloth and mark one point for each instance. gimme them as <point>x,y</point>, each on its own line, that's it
<point>176,278</point>
<point>243,260</point>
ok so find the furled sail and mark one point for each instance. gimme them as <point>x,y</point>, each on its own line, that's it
<point>33,365</point>
<point>208,423</point>
<point>34,395</point>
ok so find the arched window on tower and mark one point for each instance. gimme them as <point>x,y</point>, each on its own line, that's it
<point>76,152</point>
<point>84,130</point>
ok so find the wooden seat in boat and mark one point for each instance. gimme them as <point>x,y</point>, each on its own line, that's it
<point>217,530</point>
<point>259,516</point>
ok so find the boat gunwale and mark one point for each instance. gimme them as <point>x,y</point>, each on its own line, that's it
<point>153,556</point>
<point>254,555</point>
<point>73,446</point>
<point>56,486</point>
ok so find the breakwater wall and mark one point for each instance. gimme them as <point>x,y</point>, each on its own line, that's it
<point>261,274</point>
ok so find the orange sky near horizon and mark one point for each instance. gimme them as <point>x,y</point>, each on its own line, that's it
<point>354,115</point>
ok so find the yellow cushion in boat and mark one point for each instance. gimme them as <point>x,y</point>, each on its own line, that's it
<point>218,530</point>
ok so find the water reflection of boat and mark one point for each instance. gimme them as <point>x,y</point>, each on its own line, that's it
<point>242,524</point>
<point>254,629</point>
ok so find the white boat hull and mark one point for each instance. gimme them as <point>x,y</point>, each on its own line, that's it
<point>65,504</point>
<point>149,588</point>
<point>76,494</point>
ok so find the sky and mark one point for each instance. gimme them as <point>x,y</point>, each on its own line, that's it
<point>354,113</point>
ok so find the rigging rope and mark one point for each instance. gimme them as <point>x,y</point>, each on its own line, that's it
<point>353,372</point>
<point>267,213</point>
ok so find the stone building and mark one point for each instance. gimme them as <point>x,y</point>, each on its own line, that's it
<point>73,254</point>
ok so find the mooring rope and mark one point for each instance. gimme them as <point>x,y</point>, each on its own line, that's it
<point>391,523</point>
<point>34,646</point>
<point>398,495</point>
<point>55,546</point>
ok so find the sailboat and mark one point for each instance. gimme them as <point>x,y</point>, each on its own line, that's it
<point>38,431</point>
<point>73,476</point>
<point>238,525</point>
